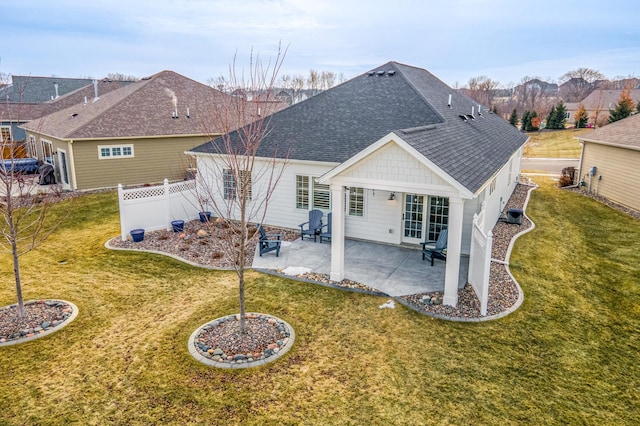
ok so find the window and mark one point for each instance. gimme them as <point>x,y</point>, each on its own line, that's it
<point>231,187</point>
<point>33,151</point>
<point>229,182</point>
<point>438,216</point>
<point>114,151</point>
<point>492,186</point>
<point>5,133</point>
<point>47,152</point>
<point>302,192</point>
<point>356,202</point>
<point>321,196</point>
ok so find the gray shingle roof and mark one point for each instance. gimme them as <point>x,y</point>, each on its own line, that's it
<point>623,133</point>
<point>338,123</point>
<point>30,89</point>
<point>143,108</point>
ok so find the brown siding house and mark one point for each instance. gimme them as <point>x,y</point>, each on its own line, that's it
<point>610,163</point>
<point>133,135</point>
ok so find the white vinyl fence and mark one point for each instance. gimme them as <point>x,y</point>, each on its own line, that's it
<point>154,207</point>
<point>480,259</point>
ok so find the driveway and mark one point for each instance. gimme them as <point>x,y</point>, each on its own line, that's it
<point>551,166</point>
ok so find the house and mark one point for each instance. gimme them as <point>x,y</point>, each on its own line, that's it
<point>133,135</point>
<point>29,98</point>
<point>395,155</point>
<point>610,159</point>
<point>598,104</point>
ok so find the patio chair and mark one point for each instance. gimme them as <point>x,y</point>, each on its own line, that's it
<point>268,242</point>
<point>314,225</point>
<point>326,234</point>
<point>436,251</point>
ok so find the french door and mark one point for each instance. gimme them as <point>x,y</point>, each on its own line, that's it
<point>423,220</point>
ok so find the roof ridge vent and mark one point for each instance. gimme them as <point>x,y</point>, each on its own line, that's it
<point>411,130</point>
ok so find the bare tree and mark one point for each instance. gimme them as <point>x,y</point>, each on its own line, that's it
<point>313,82</point>
<point>23,211</point>
<point>577,84</point>
<point>482,89</point>
<point>237,183</point>
<point>327,80</point>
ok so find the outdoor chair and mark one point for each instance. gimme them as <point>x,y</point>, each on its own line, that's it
<point>436,251</point>
<point>326,234</point>
<point>268,242</point>
<point>314,225</point>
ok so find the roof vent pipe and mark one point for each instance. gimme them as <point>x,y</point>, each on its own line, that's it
<point>449,103</point>
<point>85,100</point>
<point>473,110</point>
<point>95,90</point>
<point>55,86</point>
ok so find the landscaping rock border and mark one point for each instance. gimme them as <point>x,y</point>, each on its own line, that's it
<point>282,334</point>
<point>47,316</point>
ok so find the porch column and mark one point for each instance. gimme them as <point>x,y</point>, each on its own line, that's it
<point>454,245</point>
<point>337,232</point>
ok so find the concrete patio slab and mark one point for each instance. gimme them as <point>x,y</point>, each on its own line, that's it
<point>394,270</point>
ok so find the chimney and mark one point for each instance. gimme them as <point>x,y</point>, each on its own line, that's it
<point>55,87</point>
<point>95,90</point>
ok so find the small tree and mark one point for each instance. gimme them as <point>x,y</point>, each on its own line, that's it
<point>582,117</point>
<point>557,116</point>
<point>513,118</point>
<point>551,118</point>
<point>237,185</point>
<point>623,109</point>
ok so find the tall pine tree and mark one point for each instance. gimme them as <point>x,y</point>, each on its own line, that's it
<point>513,119</point>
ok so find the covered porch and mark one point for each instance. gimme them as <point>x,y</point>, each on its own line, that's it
<point>391,269</point>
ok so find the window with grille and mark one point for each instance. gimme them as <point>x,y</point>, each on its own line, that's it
<point>114,151</point>
<point>47,152</point>
<point>321,196</point>
<point>438,216</point>
<point>5,133</point>
<point>302,192</point>
<point>229,183</point>
<point>356,202</point>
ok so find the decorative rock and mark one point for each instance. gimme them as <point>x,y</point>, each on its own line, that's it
<point>46,324</point>
<point>218,351</point>
<point>202,233</point>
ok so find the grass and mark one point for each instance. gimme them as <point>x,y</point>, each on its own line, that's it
<point>570,354</point>
<point>554,144</point>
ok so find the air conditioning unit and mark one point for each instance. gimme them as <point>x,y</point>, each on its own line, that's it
<point>515,216</point>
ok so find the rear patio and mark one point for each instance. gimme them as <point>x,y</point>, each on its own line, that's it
<point>391,269</point>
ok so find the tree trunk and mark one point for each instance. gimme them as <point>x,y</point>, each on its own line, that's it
<point>16,271</point>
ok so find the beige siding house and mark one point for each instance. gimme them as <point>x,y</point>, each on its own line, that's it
<point>598,104</point>
<point>610,163</point>
<point>133,135</point>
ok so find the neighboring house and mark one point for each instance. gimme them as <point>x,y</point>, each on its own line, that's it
<point>610,161</point>
<point>396,155</point>
<point>598,104</point>
<point>29,98</point>
<point>134,135</point>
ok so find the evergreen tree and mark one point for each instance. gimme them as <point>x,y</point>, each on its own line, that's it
<point>582,117</point>
<point>531,126</point>
<point>526,120</point>
<point>624,108</point>
<point>561,115</point>
<point>513,119</point>
<point>638,107</point>
<point>552,118</point>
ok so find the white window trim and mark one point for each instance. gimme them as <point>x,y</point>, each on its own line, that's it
<point>364,204</point>
<point>44,152</point>
<point>306,197</point>
<point>10,135</point>
<point>111,148</point>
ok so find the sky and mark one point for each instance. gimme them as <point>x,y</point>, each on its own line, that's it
<point>505,40</point>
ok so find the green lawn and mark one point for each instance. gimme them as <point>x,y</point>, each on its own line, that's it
<point>569,355</point>
<point>554,144</point>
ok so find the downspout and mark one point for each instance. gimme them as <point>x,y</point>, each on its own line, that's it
<point>577,185</point>
<point>71,166</point>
